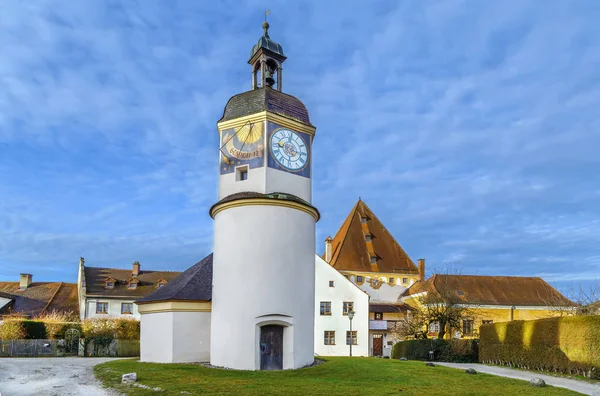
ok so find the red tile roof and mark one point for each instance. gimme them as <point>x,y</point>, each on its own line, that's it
<point>492,290</point>
<point>352,252</point>
<point>40,298</point>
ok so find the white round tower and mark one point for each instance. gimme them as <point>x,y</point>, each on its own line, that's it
<point>264,242</point>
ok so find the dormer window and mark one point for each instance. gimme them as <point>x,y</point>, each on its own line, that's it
<point>160,283</point>
<point>363,219</point>
<point>368,237</point>
<point>109,283</point>
<point>132,283</point>
<point>373,259</point>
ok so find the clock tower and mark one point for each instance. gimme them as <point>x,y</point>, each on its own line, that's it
<point>264,231</point>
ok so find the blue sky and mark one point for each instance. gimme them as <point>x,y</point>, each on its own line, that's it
<point>469,127</point>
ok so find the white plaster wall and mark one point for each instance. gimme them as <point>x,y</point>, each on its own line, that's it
<point>386,292</point>
<point>4,301</point>
<point>114,308</point>
<point>255,182</point>
<point>343,290</point>
<point>156,337</point>
<point>278,181</point>
<point>263,267</point>
<point>191,336</point>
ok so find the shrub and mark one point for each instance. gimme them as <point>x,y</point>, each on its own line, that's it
<point>568,344</point>
<point>57,323</point>
<point>122,328</point>
<point>454,350</point>
<point>12,329</point>
<point>128,329</point>
<point>34,330</point>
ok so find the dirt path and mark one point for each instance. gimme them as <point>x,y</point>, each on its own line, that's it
<point>575,385</point>
<point>70,376</point>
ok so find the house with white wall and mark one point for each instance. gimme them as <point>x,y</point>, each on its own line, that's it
<point>335,297</point>
<point>111,292</point>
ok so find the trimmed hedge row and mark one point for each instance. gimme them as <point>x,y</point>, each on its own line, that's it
<point>35,329</point>
<point>453,350</point>
<point>121,328</point>
<point>564,344</point>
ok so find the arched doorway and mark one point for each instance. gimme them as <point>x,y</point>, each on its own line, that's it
<point>271,347</point>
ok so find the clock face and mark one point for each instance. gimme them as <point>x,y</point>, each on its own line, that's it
<point>289,149</point>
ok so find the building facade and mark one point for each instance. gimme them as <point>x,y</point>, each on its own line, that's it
<point>111,292</point>
<point>488,299</point>
<point>335,298</point>
<point>366,253</point>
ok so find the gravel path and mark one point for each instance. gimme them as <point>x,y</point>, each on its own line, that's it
<point>575,385</point>
<point>69,376</point>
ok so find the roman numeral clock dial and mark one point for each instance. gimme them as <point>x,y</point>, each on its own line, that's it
<point>289,150</point>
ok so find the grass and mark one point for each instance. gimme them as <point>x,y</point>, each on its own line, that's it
<point>337,376</point>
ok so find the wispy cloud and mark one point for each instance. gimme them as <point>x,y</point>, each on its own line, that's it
<point>467,127</point>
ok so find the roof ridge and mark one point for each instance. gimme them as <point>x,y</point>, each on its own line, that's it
<point>51,299</point>
<point>386,230</point>
<point>348,220</point>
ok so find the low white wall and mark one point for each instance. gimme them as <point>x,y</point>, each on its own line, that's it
<point>175,337</point>
<point>343,290</point>
<point>191,337</point>
<point>156,337</point>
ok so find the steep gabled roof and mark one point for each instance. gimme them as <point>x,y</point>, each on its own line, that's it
<point>39,298</point>
<point>492,290</point>
<point>352,252</point>
<point>96,277</point>
<point>194,284</point>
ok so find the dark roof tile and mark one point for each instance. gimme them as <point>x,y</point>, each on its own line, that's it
<point>265,99</point>
<point>194,284</point>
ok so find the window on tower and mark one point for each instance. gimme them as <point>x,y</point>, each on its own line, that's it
<point>241,173</point>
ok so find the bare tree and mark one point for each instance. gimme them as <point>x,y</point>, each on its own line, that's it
<point>441,304</point>
<point>445,307</point>
<point>587,298</point>
<point>578,300</point>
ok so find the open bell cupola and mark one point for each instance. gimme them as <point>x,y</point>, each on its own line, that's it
<point>266,59</point>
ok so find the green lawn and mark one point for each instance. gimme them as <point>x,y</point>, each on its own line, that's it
<point>337,376</point>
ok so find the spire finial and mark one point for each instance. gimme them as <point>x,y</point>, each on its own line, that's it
<point>265,24</point>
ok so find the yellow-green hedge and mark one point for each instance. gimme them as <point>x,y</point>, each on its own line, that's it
<point>566,344</point>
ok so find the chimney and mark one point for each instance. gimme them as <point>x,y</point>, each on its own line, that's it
<point>25,281</point>
<point>136,268</point>
<point>421,269</point>
<point>328,249</point>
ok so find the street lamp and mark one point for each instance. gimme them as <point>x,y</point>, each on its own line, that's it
<point>351,316</point>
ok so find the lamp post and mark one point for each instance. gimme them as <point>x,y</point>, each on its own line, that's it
<point>351,316</point>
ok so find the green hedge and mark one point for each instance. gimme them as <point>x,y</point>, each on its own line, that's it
<point>454,350</point>
<point>40,330</point>
<point>566,344</point>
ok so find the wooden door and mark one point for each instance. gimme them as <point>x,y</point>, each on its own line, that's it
<point>271,347</point>
<point>377,344</point>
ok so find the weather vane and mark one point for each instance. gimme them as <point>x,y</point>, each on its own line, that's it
<point>267,12</point>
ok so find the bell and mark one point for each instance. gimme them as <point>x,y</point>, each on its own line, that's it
<point>269,78</point>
